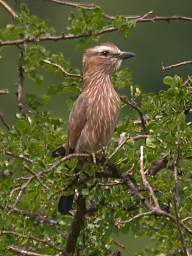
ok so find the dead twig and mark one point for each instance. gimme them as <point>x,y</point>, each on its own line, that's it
<point>8,9</point>
<point>138,216</point>
<point>145,181</point>
<point>66,73</point>
<point>90,6</point>
<point>42,219</point>
<point>19,156</point>
<point>46,241</point>
<point>186,62</point>
<point>122,142</point>
<point>4,122</point>
<point>23,251</point>
<point>135,106</point>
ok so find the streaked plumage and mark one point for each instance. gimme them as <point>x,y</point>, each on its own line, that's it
<point>94,115</point>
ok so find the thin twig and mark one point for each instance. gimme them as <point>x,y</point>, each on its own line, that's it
<point>122,143</point>
<point>8,9</point>
<point>186,62</point>
<point>66,73</point>
<point>5,123</point>
<point>90,6</point>
<point>145,181</point>
<point>19,156</point>
<point>36,176</point>
<point>46,241</point>
<point>138,216</point>
<point>137,108</point>
<point>24,251</point>
<point>42,219</point>
<point>104,30</point>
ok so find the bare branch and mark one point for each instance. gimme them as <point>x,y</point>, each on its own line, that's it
<point>19,156</point>
<point>42,219</point>
<point>23,251</point>
<point>90,6</point>
<point>186,62</point>
<point>19,93</point>
<point>138,216</point>
<point>8,9</point>
<point>104,30</point>
<point>145,181</point>
<point>156,166</point>
<point>5,123</point>
<point>66,73</point>
<point>76,225</point>
<point>122,143</point>
<point>137,108</point>
<point>28,236</point>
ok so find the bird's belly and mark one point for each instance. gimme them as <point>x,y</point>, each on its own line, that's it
<point>98,129</point>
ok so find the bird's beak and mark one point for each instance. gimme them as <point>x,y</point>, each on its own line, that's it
<point>126,55</point>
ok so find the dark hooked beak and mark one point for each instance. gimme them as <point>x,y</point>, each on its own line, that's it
<point>126,55</point>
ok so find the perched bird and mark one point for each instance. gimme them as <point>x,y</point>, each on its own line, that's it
<point>94,115</point>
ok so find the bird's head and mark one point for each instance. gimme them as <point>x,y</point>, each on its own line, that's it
<point>105,57</point>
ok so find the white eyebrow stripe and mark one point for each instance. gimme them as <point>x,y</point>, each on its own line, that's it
<point>101,48</point>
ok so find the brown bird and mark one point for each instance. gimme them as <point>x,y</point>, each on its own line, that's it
<point>94,115</point>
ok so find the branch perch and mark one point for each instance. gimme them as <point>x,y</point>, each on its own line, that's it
<point>177,65</point>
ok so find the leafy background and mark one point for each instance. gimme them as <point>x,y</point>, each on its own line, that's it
<point>38,134</point>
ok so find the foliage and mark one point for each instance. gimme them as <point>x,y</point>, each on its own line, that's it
<point>29,188</point>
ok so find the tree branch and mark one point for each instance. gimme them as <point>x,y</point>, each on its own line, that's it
<point>145,181</point>
<point>5,123</point>
<point>186,62</point>
<point>76,226</point>
<point>24,252</point>
<point>104,30</point>
<point>66,73</point>
<point>138,109</point>
<point>8,9</point>
<point>19,93</point>
<point>42,219</point>
<point>46,241</point>
<point>90,6</point>
<point>122,142</point>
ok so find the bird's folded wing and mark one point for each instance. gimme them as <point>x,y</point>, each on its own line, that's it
<point>77,120</point>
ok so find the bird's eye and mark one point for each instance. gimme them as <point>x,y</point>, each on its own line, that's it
<point>105,53</point>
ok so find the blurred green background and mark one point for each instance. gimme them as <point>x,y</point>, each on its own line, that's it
<point>154,44</point>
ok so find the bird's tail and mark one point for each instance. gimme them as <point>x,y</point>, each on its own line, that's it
<point>65,204</point>
<point>60,151</point>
